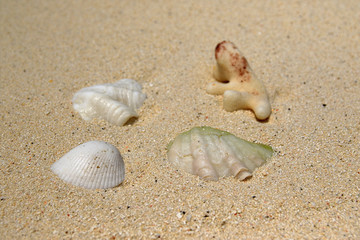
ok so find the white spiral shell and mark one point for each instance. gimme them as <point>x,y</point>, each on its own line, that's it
<point>113,102</point>
<point>211,153</point>
<point>92,165</point>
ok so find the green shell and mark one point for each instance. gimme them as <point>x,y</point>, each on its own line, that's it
<point>212,153</point>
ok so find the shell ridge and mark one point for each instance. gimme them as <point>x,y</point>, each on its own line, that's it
<point>84,107</point>
<point>95,169</point>
<point>129,84</point>
<point>137,100</point>
<point>85,168</point>
<point>125,96</point>
<point>114,112</point>
<point>215,153</point>
<point>242,149</point>
<point>235,164</point>
<point>118,174</point>
<point>111,170</point>
<point>123,116</point>
<point>203,166</point>
<point>108,172</point>
<point>67,169</point>
<point>77,173</point>
<point>254,155</point>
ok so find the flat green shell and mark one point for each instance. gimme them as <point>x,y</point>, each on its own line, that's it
<point>212,153</point>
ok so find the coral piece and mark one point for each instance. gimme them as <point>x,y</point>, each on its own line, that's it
<point>92,165</point>
<point>211,153</point>
<point>114,102</point>
<point>236,80</point>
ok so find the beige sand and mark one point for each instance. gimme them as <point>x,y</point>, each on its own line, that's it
<point>307,54</point>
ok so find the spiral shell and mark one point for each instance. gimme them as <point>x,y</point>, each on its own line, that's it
<point>113,102</point>
<point>94,164</point>
<point>211,153</point>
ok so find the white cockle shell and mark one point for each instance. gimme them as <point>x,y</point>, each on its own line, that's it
<point>211,153</point>
<point>92,165</point>
<point>114,102</point>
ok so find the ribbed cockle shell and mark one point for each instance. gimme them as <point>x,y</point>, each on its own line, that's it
<point>94,164</point>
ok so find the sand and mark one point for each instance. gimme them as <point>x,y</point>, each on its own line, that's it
<point>305,52</point>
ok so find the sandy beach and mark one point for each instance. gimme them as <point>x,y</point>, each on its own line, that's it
<point>305,52</point>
